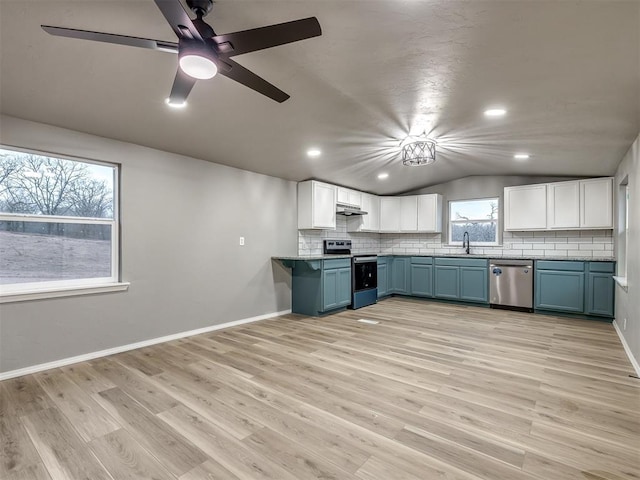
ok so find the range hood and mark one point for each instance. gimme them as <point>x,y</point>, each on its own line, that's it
<point>349,210</point>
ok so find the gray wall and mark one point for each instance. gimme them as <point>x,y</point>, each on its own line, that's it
<point>628,301</point>
<point>480,186</point>
<point>181,219</point>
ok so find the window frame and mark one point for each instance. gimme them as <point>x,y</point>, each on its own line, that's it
<point>55,288</point>
<point>475,243</point>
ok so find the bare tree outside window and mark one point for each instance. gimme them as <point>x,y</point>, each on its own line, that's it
<point>477,217</point>
<point>57,219</point>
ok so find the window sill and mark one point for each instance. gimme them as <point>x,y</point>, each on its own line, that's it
<point>41,294</point>
<point>622,282</point>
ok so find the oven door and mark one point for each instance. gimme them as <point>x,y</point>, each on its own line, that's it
<point>364,273</point>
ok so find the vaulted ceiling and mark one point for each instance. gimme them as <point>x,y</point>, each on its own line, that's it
<point>568,73</point>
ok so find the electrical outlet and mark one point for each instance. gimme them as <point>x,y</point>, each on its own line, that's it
<point>242,241</point>
<point>624,324</point>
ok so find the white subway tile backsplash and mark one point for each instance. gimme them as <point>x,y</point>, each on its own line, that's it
<point>559,243</point>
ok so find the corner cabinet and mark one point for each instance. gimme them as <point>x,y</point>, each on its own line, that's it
<point>320,286</point>
<point>316,206</point>
<point>383,276</point>
<point>465,279</point>
<point>400,279</point>
<point>575,287</point>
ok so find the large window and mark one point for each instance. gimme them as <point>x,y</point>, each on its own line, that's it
<point>477,217</point>
<point>58,222</point>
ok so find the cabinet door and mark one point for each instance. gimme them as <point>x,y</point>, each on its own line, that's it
<point>596,203</point>
<point>421,280</point>
<point>324,206</point>
<point>389,214</point>
<point>330,289</point>
<point>563,207</point>
<point>600,294</point>
<point>400,275</point>
<point>343,195</point>
<point>446,282</point>
<point>383,280</point>
<point>371,205</point>
<point>474,284</point>
<point>355,198</point>
<point>525,207</point>
<point>369,222</point>
<point>430,213</point>
<point>343,293</point>
<point>560,291</point>
<point>409,213</point>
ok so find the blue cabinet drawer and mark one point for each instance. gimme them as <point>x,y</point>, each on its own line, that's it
<point>337,263</point>
<point>602,267</point>
<point>422,260</point>
<point>462,262</point>
<point>560,265</point>
<point>384,260</point>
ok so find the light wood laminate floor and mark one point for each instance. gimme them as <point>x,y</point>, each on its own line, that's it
<point>434,391</point>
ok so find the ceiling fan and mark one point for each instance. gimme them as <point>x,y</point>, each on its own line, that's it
<point>201,52</point>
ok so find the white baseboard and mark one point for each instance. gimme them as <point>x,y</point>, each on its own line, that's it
<point>627,350</point>
<point>132,346</point>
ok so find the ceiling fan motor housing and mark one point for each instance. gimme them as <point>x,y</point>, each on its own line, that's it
<point>200,7</point>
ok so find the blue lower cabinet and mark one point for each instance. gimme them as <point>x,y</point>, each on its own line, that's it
<point>560,291</point>
<point>465,279</point>
<point>600,289</point>
<point>320,286</point>
<point>400,275</point>
<point>383,277</point>
<point>447,282</point>
<point>474,286</point>
<point>336,288</point>
<point>421,280</point>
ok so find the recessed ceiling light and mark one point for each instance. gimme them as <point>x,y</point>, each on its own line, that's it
<point>495,112</point>
<point>522,156</point>
<point>314,152</point>
<point>175,104</point>
<point>382,176</point>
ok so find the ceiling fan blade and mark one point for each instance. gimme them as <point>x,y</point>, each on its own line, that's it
<point>249,79</point>
<point>182,86</point>
<point>178,18</point>
<point>112,38</point>
<point>266,37</point>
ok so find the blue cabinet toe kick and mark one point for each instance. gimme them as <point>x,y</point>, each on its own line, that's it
<point>364,298</point>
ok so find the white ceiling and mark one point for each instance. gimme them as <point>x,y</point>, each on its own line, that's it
<point>567,71</point>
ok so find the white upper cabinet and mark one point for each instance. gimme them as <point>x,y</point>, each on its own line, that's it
<point>346,196</point>
<point>369,222</point>
<point>409,213</point>
<point>596,203</point>
<point>430,213</point>
<point>389,214</point>
<point>525,207</point>
<point>563,205</point>
<point>573,205</point>
<point>316,205</point>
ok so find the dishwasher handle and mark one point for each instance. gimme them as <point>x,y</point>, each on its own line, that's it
<point>510,263</point>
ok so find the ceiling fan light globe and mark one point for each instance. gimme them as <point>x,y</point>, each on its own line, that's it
<point>197,66</point>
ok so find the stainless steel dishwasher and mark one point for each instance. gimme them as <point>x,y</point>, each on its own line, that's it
<point>511,284</point>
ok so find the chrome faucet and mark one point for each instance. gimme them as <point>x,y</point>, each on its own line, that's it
<point>465,242</point>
